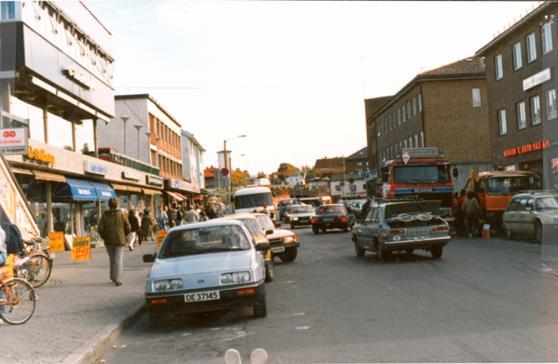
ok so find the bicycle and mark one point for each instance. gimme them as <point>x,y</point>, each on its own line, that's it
<point>35,265</point>
<point>19,300</point>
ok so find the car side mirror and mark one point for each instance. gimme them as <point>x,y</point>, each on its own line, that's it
<point>149,258</point>
<point>269,232</point>
<point>262,247</point>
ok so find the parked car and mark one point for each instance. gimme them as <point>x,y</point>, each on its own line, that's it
<point>283,243</point>
<point>299,215</point>
<point>401,226</point>
<point>528,213</point>
<point>258,236</point>
<point>206,266</point>
<point>283,204</point>
<point>334,216</point>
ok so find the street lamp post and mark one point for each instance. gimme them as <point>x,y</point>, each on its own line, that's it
<point>124,121</point>
<point>138,127</point>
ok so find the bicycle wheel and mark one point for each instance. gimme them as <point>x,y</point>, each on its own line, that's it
<point>37,270</point>
<point>21,301</point>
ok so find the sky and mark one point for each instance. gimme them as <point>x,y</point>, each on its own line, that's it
<point>291,76</point>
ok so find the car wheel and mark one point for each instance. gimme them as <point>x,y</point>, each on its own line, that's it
<point>315,229</point>
<point>292,226</point>
<point>324,230</point>
<point>538,232</point>
<point>509,234</point>
<point>269,271</point>
<point>289,255</point>
<point>358,250</point>
<point>345,228</point>
<point>437,252</point>
<point>409,251</point>
<point>260,309</point>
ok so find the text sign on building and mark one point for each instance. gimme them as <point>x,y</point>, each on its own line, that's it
<point>13,141</point>
<point>94,168</point>
<point>420,152</point>
<point>526,148</point>
<point>130,176</point>
<point>536,79</point>
<point>154,180</point>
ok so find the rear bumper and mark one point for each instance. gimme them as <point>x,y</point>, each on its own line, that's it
<point>175,306</point>
<point>419,243</point>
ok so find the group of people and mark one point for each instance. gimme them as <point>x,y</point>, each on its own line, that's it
<point>467,211</point>
<point>170,216</point>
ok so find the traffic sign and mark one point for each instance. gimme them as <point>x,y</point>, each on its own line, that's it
<point>224,172</point>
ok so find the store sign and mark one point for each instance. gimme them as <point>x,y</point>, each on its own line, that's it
<point>130,176</point>
<point>526,148</point>
<point>536,79</point>
<point>420,152</point>
<point>40,155</point>
<point>95,168</point>
<point>184,186</point>
<point>77,77</point>
<point>154,180</point>
<point>13,141</point>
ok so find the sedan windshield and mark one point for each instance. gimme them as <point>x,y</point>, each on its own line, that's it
<point>204,240</point>
<point>547,203</point>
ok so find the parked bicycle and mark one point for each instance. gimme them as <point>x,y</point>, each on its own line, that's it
<point>35,264</point>
<point>19,300</point>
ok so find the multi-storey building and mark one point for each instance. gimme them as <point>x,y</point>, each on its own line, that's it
<point>192,161</point>
<point>444,108</point>
<point>521,83</point>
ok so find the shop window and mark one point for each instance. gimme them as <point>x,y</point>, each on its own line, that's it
<point>546,35</point>
<point>517,56</point>
<point>498,67</point>
<point>502,122</point>
<point>521,115</point>
<point>531,48</point>
<point>536,110</point>
<point>551,112</point>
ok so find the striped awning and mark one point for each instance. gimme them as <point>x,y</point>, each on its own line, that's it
<point>46,176</point>
<point>177,196</point>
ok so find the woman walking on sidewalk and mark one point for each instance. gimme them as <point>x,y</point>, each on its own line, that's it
<point>134,225</point>
<point>114,228</point>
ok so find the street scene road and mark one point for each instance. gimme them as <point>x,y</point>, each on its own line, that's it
<point>485,300</point>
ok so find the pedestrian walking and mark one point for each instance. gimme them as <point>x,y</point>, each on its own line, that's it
<point>471,212</point>
<point>190,215</point>
<point>134,225</point>
<point>162,219</point>
<point>146,225</point>
<point>459,216</point>
<point>114,227</point>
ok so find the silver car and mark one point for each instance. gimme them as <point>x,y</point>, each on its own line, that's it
<point>204,267</point>
<point>299,215</point>
<point>528,214</point>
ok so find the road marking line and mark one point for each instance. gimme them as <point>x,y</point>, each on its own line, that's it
<point>302,327</point>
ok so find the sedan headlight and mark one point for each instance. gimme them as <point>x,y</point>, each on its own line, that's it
<point>165,285</point>
<point>235,278</point>
<point>289,239</point>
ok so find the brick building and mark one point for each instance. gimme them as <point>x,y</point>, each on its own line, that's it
<point>435,109</point>
<point>521,85</point>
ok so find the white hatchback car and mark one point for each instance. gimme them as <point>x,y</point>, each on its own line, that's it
<point>206,266</point>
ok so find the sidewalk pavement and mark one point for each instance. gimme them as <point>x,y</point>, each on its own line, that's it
<point>79,312</point>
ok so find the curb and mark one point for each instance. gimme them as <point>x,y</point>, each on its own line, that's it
<point>93,349</point>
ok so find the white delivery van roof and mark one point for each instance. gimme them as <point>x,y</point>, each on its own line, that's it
<point>251,191</point>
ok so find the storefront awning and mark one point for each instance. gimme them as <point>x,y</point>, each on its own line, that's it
<point>103,190</point>
<point>21,171</point>
<point>46,176</point>
<point>177,196</point>
<point>119,187</point>
<point>134,189</point>
<point>77,190</point>
<point>149,191</point>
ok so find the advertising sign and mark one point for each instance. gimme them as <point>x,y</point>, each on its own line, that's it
<point>13,141</point>
<point>56,241</point>
<point>95,168</point>
<point>160,236</point>
<point>81,250</point>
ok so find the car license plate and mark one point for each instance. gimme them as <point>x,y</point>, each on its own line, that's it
<point>278,249</point>
<point>423,189</point>
<point>419,232</point>
<point>329,219</point>
<point>202,296</point>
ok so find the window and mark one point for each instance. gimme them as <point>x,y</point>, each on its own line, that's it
<point>531,48</point>
<point>551,112</point>
<point>410,142</point>
<point>476,97</point>
<point>419,103</point>
<point>502,123</point>
<point>498,67</point>
<point>416,141</point>
<point>7,10</point>
<point>408,109</point>
<point>394,117</point>
<point>546,34</point>
<point>535,110</point>
<point>398,116</point>
<point>405,143</point>
<point>404,113</point>
<point>521,116</point>
<point>422,139</point>
<point>517,56</point>
<point>414,106</point>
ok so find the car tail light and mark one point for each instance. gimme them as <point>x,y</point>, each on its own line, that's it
<point>343,219</point>
<point>313,220</point>
<point>440,229</point>
<point>396,232</point>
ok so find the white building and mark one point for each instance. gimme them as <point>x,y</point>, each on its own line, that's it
<point>192,160</point>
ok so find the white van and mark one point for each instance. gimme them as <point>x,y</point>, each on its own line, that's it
<point>254,198</point>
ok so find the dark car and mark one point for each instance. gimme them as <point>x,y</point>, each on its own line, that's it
<point>282,206</point>
<point>401,226</point>
<point>333,216</point>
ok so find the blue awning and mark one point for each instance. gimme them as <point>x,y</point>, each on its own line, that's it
<point>104,191</point>
<point>80,190</point>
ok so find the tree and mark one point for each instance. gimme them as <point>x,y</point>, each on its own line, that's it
<point>239,177</point>
<point>286,170</point>
<point>261,175</point>
<point>307,172</point>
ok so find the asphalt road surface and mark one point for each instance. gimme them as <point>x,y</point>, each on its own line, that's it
<point>485,300</point>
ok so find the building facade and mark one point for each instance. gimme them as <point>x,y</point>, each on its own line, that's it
<point>521,66</point>
<point>192,161</point>
<point>431,111</point>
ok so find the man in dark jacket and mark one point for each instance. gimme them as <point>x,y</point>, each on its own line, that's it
<point>114,228</point>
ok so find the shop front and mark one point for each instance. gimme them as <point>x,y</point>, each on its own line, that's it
<point>525,157</point>
<point>181,192</point>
